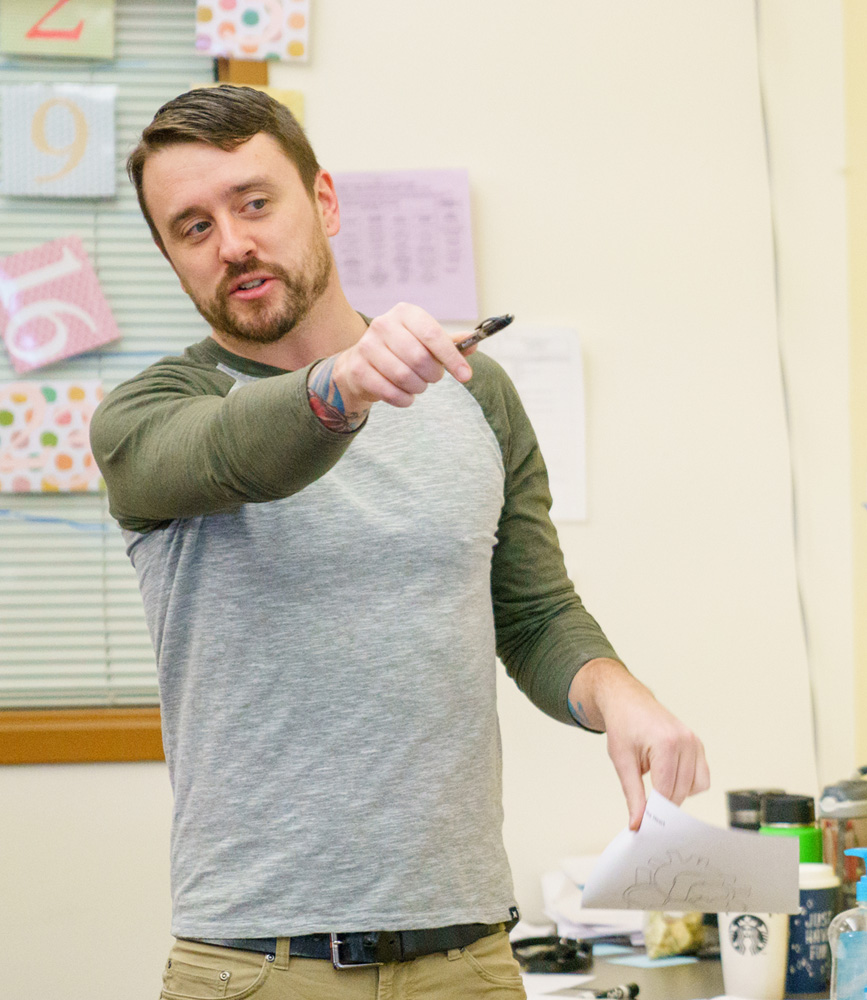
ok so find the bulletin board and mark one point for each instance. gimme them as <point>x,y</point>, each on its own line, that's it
<point>92,303</point>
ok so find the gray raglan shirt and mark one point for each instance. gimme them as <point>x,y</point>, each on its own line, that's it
<point>326,612</point>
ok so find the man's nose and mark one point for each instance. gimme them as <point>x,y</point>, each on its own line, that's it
<point>236,241</point>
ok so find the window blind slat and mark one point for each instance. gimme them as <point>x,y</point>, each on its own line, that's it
<point>72,628</point>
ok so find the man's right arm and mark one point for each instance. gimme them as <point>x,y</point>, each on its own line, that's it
<point>175,442</point>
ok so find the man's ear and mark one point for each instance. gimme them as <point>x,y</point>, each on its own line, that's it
<point>161,247</point>
<point>164,252</point>
<point>325,200</point>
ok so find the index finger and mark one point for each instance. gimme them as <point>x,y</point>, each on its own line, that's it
<point>629,772</point>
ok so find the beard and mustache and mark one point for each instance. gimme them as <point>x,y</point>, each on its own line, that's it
<point>269,323</point>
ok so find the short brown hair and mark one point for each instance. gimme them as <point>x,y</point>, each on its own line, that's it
<point>225,117</point>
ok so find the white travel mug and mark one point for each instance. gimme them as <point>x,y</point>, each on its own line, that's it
<point>753,950</point>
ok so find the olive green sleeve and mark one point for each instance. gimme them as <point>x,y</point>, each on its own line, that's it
<point>544,632</point>
<point>175,442</point>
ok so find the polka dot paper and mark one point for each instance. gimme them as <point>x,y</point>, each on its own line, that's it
<point>253,29</point>
<point>45,436</point>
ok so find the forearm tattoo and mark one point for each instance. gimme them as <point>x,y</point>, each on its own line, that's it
<point>326,401</point>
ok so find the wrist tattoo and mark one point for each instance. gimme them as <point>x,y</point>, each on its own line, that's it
<point>326,401</point>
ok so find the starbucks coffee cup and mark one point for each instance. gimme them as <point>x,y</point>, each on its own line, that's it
<point>753,949</point>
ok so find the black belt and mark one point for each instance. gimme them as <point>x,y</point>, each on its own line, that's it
<point>371,947</point>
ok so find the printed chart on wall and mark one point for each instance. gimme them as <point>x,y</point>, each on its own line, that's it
<point>405,236</point>
<point>254,29</point>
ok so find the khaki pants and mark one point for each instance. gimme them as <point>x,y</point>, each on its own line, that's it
<point>485,969</point>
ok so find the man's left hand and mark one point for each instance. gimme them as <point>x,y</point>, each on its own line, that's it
<point>643,736</point>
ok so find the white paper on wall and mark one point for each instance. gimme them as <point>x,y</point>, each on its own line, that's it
<point>546,366</point>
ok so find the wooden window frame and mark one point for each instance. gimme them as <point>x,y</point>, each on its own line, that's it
<point>80,735</point>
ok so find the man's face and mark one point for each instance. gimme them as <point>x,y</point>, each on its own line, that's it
<point>248,243</point>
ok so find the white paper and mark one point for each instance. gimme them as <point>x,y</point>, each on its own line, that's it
<point>562,894</point>
<point>546,366</point>
<point>676,862</point>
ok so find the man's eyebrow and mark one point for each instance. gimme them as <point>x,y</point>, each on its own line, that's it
<point>177,221</point>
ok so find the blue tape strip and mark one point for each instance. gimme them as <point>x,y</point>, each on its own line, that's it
<point>66,522</point>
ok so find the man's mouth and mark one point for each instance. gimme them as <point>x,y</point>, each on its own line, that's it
<point>251,288</point>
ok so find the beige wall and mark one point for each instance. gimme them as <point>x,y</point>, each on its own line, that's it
<point>803,75</point>
<point>855,33</point>
<point>619,180</point>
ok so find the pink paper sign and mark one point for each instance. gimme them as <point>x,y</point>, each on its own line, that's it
<point>406,236</point>
<point>44,436</point>
<point>52,305</point>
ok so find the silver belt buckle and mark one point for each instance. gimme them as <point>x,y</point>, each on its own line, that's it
<point>335,956</point>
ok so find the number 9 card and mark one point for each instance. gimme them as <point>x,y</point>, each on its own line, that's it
<point>57,141</point>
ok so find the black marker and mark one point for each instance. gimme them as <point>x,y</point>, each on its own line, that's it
<point>487,328</point>
<point>626,992</point>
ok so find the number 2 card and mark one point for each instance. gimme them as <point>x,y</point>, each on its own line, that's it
<point>52,305</point>
<point>82,29</point>
<point>57,140</point>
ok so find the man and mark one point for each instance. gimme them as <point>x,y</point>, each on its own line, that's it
<point>327,573</point>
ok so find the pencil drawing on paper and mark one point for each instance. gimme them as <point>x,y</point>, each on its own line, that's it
<point>675,881</point>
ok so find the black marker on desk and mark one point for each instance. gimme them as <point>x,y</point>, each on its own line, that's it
<point>487,328</point>
<point>625,992</point>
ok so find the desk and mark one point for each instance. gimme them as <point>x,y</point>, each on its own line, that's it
<point>701,979</point>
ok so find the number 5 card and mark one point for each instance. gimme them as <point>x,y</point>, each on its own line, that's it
<point>57,140</point>
<point>51,305</point>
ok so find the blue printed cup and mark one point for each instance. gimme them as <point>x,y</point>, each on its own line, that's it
<point>808,969</point>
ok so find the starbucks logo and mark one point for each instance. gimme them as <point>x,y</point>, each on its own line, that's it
<point>748,934</point>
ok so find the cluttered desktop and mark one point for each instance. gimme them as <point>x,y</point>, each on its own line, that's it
<point>773,906</point>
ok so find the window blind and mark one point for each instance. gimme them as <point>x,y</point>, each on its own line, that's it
<point>72,629</point>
